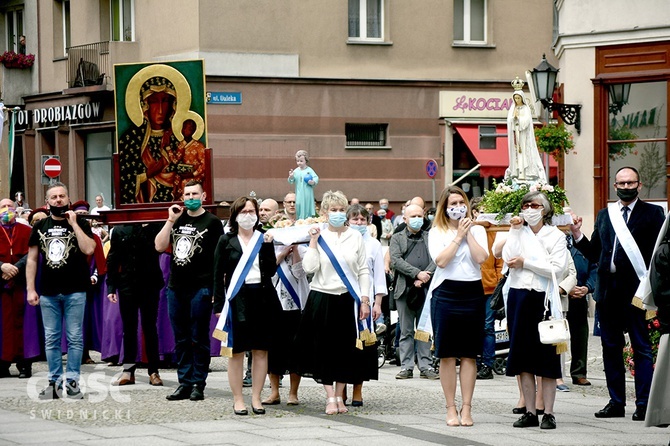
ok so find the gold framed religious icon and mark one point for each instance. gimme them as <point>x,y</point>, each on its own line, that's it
<point>161,132</point>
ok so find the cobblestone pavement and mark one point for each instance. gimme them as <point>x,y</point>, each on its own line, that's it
<point>407,412</point>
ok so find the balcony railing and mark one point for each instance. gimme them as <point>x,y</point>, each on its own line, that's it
<point>88,65</point>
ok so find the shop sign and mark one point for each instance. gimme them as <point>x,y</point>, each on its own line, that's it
<point>62,114</point>
<point>475,104</point>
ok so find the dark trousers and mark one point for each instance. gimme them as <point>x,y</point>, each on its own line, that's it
<point>577,317</point>
<point>617,316</point>
<point>190,313</point>
<point>146,301</point>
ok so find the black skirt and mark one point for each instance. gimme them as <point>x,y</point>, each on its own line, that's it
<point>457,312</point>
<point>525,309</point>
<point>325,346</point>
<point>255,311</point>
<point>280,356</point>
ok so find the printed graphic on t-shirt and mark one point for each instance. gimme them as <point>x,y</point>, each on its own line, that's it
<point>186,241</point>
<point>56,245</point>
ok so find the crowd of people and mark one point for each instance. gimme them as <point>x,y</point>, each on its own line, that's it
<point>313,307</point>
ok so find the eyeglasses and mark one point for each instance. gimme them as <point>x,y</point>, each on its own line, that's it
<point>289,202</point>
<point>626,184</point>
<point>532,206</point>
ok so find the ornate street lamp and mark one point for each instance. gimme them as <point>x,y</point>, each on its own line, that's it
<point>619,94</point>
<point>544,81</point>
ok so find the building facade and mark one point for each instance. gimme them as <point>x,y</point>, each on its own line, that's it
<point>359,84</point>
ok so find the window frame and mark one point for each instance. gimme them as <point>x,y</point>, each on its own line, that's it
<point>466,20</point>
<point>121,14</point>
<point>17,27</point>
<point>384,144</point>
<point>363,25</point>
<point>67,26</point>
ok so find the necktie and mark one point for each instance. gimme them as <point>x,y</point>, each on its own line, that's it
<point>617,246</point>
<point>625,210</point>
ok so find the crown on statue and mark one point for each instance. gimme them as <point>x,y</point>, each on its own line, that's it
<point>518,84</point>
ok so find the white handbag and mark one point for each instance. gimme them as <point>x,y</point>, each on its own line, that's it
<point>553,331</point>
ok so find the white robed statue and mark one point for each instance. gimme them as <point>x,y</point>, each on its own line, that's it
<point>524,159</point>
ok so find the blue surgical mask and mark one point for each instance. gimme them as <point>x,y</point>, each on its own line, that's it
<point>193,204</point>
<point>337,219</point>
<point>360,228</point>
<point>431,217</point>
<point>415,223</point>
<point>384,206</point>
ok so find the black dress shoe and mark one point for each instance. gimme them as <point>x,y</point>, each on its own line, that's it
<point>519,410</point>
<point>640,413</point>
<point>548,422</point>
<point>611,411</point>
<point>357,403</point>
<point>260,411</point>
<point>527,420</point>
<point>241,411</point>
<point>197,394</point>
<point>183,392</point>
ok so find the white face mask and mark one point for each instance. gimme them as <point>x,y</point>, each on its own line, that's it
<point>532,216</point>
<point>457,212</point>
<point>247,221</point>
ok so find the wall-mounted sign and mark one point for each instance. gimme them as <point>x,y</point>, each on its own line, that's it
<point>61,114</point>
<point>224,97</point>
<point>475,104</point>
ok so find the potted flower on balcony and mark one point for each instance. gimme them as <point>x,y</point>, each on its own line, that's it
<point>554,139</point>
<point>10,59</point>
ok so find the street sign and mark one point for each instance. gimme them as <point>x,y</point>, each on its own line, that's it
<point>431,168</point>
<point>52,167</point>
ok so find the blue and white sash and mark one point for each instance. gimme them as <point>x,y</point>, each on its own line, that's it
<point>350,281</point>
<point>289,282</point>
<point>224,326</point>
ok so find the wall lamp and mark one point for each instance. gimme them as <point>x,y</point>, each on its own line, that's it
<point>544,81</point>
<point>619,94</point>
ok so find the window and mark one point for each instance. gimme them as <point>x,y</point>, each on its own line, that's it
<point>66,24</point>
<point>470,21</point>
<point>487,137</point>
<point>365,20</point>
<point>366,135</point>
<point>99,148</point>
<point>14,23</point>
<point>123,21</point>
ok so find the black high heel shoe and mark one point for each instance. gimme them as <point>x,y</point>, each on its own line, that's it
<point>241,411</point>
<point>260,411</point>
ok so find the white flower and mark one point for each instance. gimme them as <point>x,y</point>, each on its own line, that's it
<point>548,188</point>
<point>533,188</point>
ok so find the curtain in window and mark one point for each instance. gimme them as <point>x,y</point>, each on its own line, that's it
<point>477,15</point>
<point>374,13</point>
<point>354,18</point>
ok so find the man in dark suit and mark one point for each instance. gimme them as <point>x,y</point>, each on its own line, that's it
<point>616,286</point>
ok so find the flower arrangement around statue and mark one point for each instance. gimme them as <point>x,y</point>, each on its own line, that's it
<point>286,232</point>
<point>504,200</point>
<point>554,139</point>
<point>621,149</point>
<point>10,59</point>
<point>653,326</point>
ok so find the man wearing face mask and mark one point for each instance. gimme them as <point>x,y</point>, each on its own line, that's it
<point>622,242</point>
<point>64,241</point>
<point>193,235</point>
<point>413,268</point>
<point>13,249</point>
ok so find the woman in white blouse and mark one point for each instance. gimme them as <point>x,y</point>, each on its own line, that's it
<point>357,216</point>
<point>456,295</point>
<point>328,347</point>
<point>532,250</point>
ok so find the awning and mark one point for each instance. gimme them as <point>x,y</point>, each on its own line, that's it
<point>493,162</point>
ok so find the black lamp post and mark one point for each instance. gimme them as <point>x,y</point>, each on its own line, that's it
<point>619,94</point>
<point>544,81</point>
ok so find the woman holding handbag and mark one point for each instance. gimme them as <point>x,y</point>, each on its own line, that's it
<point>537,256</point>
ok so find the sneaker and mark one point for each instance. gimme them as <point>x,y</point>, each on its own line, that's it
<point>485,372</point>
<point>50,392</point>
<point>381,328</point>
<point>563,388</point>
<point>548,421</point>
<point>527,420</point>
<point>73,391</point>
<point>246,382</point>
<point>405,374</point>
<point>429,374</point>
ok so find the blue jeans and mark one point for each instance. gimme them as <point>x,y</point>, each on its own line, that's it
<point>55,309</point>
<point>489,348</point>
<point>190,313</point>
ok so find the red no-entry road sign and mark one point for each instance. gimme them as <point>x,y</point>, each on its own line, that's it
<point>52,167</point>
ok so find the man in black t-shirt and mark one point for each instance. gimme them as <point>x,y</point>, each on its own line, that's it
<point>193,235</point>
<point>63,240</point>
